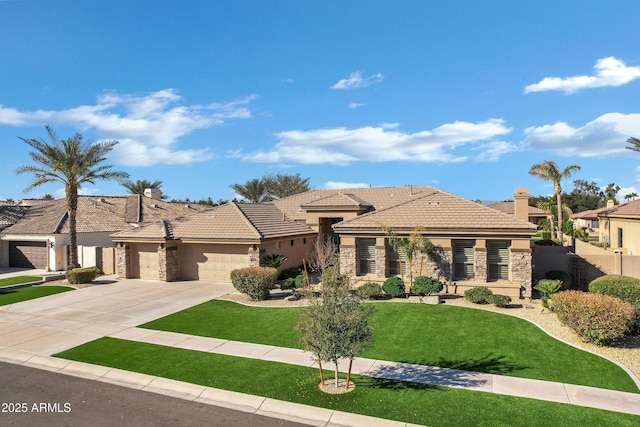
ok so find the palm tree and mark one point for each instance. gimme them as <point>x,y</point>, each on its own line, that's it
<point>631,196</point>
<point>286,185</point>
<point>140,185</point>
<point>548,170</point>
<point>71,162</point>
<point>254,191</point>
<point>635,144</point>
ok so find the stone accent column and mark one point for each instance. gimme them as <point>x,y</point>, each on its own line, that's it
<point>520,266</point>
<point>254,256</point>
<point>381,258</point>
<point>480,264</point>
<point>348,260</point>
<point>123,261</point>
<point>167,262</point>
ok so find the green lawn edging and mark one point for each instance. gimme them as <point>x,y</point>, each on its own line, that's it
<point>24,294</point>
<point>19,280</point>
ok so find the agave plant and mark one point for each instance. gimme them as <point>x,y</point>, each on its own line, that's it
<point>274,260</point>
<point>547,287</point>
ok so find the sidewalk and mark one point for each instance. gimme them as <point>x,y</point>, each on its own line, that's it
<point>33,330</point>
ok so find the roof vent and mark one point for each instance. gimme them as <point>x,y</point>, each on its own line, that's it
<point>100,200</point>
<point>154,206</point>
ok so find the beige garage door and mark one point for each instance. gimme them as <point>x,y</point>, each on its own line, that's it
<point>145,262</point>
<point>211,262</point>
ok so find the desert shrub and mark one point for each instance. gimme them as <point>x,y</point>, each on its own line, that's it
<point>291,272</point>
<point>273,260</point>
<point>600,319</point>
<point>479,295</point>
<point>563,276</point>
<point>394,286</point>
<point>82,275</point>
<point>292,282</point>
<point>369,291</point>
<point>547,287</point>
<point>623,287</point>
<point>254,281</point>
<point>426,286</point>
<point>501,300</point>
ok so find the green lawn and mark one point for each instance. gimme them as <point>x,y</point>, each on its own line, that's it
<point>24,294</point>
<point>436,335</point>
<point>414,403</point>
<point>9,281</point>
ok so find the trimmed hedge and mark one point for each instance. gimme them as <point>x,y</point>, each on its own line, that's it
<point>82,275</point>
<point>426,286</point>
<point>600,319</point>
<point>369,291</point>
<point>394,286</point>
<point>623,287</point>
<point>501,300</point>
<point>255,281</point>
<point>292,283</point>
<point>479,295</point>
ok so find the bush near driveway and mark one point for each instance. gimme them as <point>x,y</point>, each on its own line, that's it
<point>623,287</point>
<point>255,281</point>
<point>82,275</point>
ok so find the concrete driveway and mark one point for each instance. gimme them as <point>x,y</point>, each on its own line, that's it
<point>58,322</point>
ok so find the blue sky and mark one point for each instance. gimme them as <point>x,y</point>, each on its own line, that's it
<point>461,95</point>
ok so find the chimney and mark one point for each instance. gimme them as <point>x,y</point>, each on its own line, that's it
<point>610,204</point>
<point>521,203</point>
<point>153,193</point>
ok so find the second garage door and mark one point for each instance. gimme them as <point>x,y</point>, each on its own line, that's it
<point>144,261</point>
<point>28,254</point>
<point>211,262</point>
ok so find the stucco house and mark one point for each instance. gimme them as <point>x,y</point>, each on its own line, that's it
<point>480,245</point>
<point>36,235</point>
<point>534,214</point>
<point>619,227</point>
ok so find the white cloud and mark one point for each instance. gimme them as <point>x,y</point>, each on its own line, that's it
<point>147,126</point>
<point>377,144</point>
<point>337,185</point>
<point>354,105</point>
<point>492,151</point>
<point>609,71</point>
<point>604,136</point>
<point>356,81</point>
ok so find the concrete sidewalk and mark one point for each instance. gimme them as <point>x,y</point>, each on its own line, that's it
<point>31,331</point>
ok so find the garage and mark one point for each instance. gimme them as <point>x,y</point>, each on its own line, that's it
<point>144,261</point>
<point>28,254</point>
<point>211,262</point>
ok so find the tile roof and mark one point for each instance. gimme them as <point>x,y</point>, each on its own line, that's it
<point>378,198</point>
<point>438,211</point>
<point>225,223</point>
<point>10,214</point>
<point>337,201</point>
<point>96,214</point>
<point>509,208</point>
<point>629,209</point>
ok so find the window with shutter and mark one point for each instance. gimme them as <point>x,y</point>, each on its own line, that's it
<point>463,259</point>
<point>367,255</point>
<point>498,260</point>
<point>394,260</point>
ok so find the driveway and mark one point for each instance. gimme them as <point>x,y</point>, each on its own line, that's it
<point>58,322</point>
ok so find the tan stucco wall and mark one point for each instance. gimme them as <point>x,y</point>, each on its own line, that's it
<point>302,248</point>
<point>630,235</point>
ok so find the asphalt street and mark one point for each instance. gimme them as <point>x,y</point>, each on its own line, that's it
<point>33,397</point>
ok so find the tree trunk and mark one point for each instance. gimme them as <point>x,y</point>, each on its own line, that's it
<point>559,203</point>
<point>349,374</point>
<point>72,208</point>
<point>336,363</point>
<point>321,373</point>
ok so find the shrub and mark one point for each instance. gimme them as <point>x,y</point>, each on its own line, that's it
<point>369,291</point>
<point>291,272</point>
<point>82,275</point>
<point>599,319</point>
<point>623,287</point>
<point>426,286</point>
<point>547,288</point>
<point>394,286</point>
<point>563,276</point>
<point>292,282</point>
<point>501,300</point>
<point>273,260</point>
<point>254,281</point>
<point>479,295</point>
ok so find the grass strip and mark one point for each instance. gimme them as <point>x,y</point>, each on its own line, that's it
<point>434,335</point>
<point>396,400</point>
<point>24,294</point>
<point>18,280</point>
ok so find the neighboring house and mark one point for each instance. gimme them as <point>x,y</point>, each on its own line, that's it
<point>534,214</point>
<point>620,228</point>
<point>209,245</point>
<point>37,235</point>
<point>590,219</point>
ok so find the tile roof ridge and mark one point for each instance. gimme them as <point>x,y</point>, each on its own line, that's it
<point>377,211</point>
<point>246,218</point>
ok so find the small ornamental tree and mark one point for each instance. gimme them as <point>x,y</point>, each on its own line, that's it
<point>336,325</point>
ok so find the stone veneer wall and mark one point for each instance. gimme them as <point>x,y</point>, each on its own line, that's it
<point>348,258</point>
<point>480,265</point>
<point>167,263</point>
<point>254,256</point>
<point>520,266</point>
<point>381,261</point>
<point>438,266</point>
<point>123,260</point>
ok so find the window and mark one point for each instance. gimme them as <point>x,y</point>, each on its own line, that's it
<point>498,260</point>
<point>292,243</point>
<point>394,259</point>
<point>620,245</point>
<point>463,255</point>
<point>367,255</point>
<point>595,223</point>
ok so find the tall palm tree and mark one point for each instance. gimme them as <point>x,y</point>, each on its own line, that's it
<point>635,143</point>
<point>549,171</point>
<point>140,185</point>
<point>254,191</point>
<point>71,162</point>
